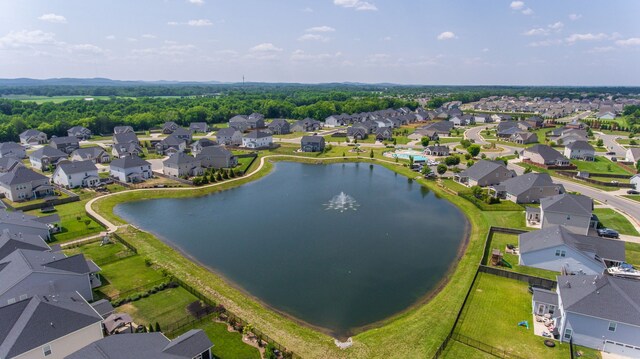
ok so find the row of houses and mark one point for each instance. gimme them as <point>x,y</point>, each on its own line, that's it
<point>34,137</point>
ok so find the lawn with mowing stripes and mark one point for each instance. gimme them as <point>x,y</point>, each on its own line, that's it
<point>611,219</point>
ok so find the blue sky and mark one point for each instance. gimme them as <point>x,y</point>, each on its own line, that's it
<point>548,42</point>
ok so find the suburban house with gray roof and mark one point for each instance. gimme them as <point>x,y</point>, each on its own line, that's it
<point>181,164</point>
<point>26,273</point>
<point>33,137</point>
<point>169,127</point>
<point>436,129</point>
<point>48,326</point>
<point>279,126</point>
<point>130,169</point>
<point>544,155</point>
<point>229,137</point>
<point>557,249</point>
<point>633,155</point>
<point>437,150</point>
<point>66,144</point>
<point>19,222</point>
<point>574,211</point>
<point>193,344</point>
<point>95,154</point>
<point>357,132</point>
<point>80,132</point>
<point>257,139</point>
<point>76,174</point>
<point>170,145</point>
<point>484,173</point>
<point>306,125</point>
<point>11,242</point>
<point>122,129</point>
<point>580,150</point>
<point>600,312</point>
<point>527,188</point>
<point>635,180</point>
<point>12,149</point>
<point>384,134</point>
<point>46,158</point>
<point>200,144</point>
<point>312,144</point>
<point>24,184</point>
<point>9,163</point>
<point>523,137</point>
<point>183,134</point>
<point>216,157</point>
<point>125,137</point>
<point>198,127</point>
<point>126,149</point>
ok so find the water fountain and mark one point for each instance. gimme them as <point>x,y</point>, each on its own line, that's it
<point>342,202</point>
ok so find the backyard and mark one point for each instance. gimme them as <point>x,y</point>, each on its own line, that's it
<point>74,221</point>
<point>600,165</point>
<point>499,241</point>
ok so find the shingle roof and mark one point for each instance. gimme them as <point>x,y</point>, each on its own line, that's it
<point>76,167</point>
<point>257,134</point>
<point>125,137</point>
<point>7,162</point>
<point>546,152</point>
<point>7,146</point>
<point>21,174</point>
<point>179,158</point>
<point>31,323</point>
<point>545,296</point>
<point>20,219</point>
<point>10,242</point>
<point>88,152</point>
<point>604,296</point>
<point>30,133</point>
<point>226,132</point>
<point>557,235</point>
<point>481,169</point>
<point>215,151</point>
<point>47,151</point>
<point>64,140</point>
<point>568,203</point>
<point>122,129</point>
<point>580,145</point>
<point>129,161</point>
<point>103,307</point>
<point>312,139</point>
<point>520,184</point>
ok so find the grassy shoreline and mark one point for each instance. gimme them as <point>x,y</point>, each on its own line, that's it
<point>415,332</point>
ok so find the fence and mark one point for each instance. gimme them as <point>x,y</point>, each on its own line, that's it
<point>140,289</point>
<point>549,167</point>
<point>600,183</point>
<point>117,237</point>
<point>72,197</point>
<point>500,353</point>
<point>532,280</point>
<point>177,179</point>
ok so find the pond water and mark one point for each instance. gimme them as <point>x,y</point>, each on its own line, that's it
<point>338,246</point>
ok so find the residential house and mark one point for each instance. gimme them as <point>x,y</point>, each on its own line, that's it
<point>384,134</point>
<point>279,126</point>
<point>544,301</point>
<point>33,137</point>
<point>169,127</point>
<point>181,165</point>
<point>535,121</point>
<point>257,139</point>
<point>193,344</point>
<point>130,169</point>
<point>95,154</point>
<point>557,249</point>
<point>126,149</point>
<point>337,120</point>
<point>19,222</point>
<point>633,155</point>
<point>183,134</point>
<point>607,115</point>
<point>600,312</point>
<point>46,158</point>
<point>635,180</point>
<point>122,129</point>
<point>10,242</point>
<point>524,138</point>
<point>202,143</point>
<point>574,211</point>
<point>482,118</point>
<point>26,273</point>
<point>216,157</point>
<point>81,133</point>
<point>9,163</point>
<point>306,125</point>
<point>436,129</point>
<point>170,145</point>
<point>199,127</point>
<point>462,120</point>
<point>545,156</point>
<point>527,188</point>
<point>12,149</point>
<point>256,120</point>
<point>240,123</point>
<point>48,326</point>
<point>580,150</point>
<point>437,150</point>
<point>24,184</point>
<point>76,174</point>
<point>66,144</point>
<point>357,132</point>
<point>229,137</point>
<point>123,138</point>
<point>484,173</point>
<point>312,144</point>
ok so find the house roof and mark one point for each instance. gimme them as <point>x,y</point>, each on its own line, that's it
<point>10,145</point>
<point>635,152</point>
<point>482,168</point>
<point>47,151</point>
<point>69,167</point>
<point>169,124</point>
<point>611,298</point>
<point>64,140</point>
<point>129,162</point>
<point>146,345</point>
<point>125,137</point>
<point>172,140</point>
<point>257,134</point>
<point>312,139</point>
<point>30,133</point>
<point>33,322</point>
<point>580,145</point>
<point>216,151</point>
<point>122,129</point>
<point>125,148</point>
<point>89,152</point>
<point>278,122</point>
<point>103,307</point>
<point>78,129</point>
<point>521,184</point>
<point>546,152</point>
<point>227,132</point>
<point>238,118</point>
<point>21,174</point>
<point>441,126</point>
<point>20,219</point>
<point>438,148</point>
<point>541,295</point>
<point>179,158</point>
<point>198,125</point>
<point>568,203</point>
<point>8,161</point>
<point>10,242</point>
<point>181,131</point>
<point>557,235</point>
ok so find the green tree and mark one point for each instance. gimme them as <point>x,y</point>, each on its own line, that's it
<point>411,161</point>
<point>473,150</point>
<point>157,329</point>
<point>425,141</point>
<point>465,143</point>
<point>371,154</point>
<point>600,142</point>
<point>638,166</point>
<point>441,169</point>
<point>426,170</point>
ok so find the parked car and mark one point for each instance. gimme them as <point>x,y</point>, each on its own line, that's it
<point>633,191</point>
<point>610,153</point>
<point>608,233</point>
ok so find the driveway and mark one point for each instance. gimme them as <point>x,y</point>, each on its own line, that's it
<point>611,144</point>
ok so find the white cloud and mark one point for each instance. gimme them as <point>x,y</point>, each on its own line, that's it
<point>527,11</point>
<point>199,22</point>
<point>173,50</point>
<point>356,4</point>
<point>320,29</point>
<point>545,43</point>
<point>586,37</point>
<point>313,37</point>
<point>86,48</point>
<point>148,36</point>
<point>574,17</point>
<point>24,38</point>
<point>173,23</point>
<point>265,47</point>
<point>53,18</point>
<point>599,50</point>
<point>447,35</point>
<point>299,56</point>
<point>110,37</point>
<point>634,41</point>
<point>196,2</point>
<point>517,5</point>
<point>557,27</point>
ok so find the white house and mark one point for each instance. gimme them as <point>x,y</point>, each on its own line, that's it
<point>580,150</point>
<point>76,174</point>
<point>12,149</point>
<point>130,169</point>
<point>573,211</point>
<point>635,180</point>
<point>633,155</point>
<point>257,139</point>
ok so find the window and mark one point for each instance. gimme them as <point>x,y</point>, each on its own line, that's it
<point>46,350</point>
<point>612,326</point>
<point>560,253</point>
<point>11,300</point>
<point>23,297</point>
<point>567,334</point>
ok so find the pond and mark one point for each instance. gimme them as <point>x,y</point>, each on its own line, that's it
<point>337,246</point>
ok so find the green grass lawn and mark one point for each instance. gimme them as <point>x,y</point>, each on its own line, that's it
<point>291,135</point>
<point>127,274</point>
<point>228,344</point>
<point>554,174</point>
<point>457,350</point>
<point>101,253</point>
<point>508,219</point>
<point>74,221</point>
<point>165,307</point>
<point>633,197</point>
<point>500,241</point>
<point>612,219</point>
<point>493,311</point>
<point>632,251</point>
<point>600,165</point>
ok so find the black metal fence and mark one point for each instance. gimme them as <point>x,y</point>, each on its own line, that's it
<point>500,353</point>
<point>532,280</point>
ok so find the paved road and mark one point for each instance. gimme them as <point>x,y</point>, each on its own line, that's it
<point>611,144</point>
<point>475,134</point>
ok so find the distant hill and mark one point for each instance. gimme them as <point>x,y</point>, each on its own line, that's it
<point>96,82</point>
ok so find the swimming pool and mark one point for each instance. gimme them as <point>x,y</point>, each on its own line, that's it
<point>404,155</point>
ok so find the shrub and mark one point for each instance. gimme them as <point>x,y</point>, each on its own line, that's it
<point>452,160</point>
